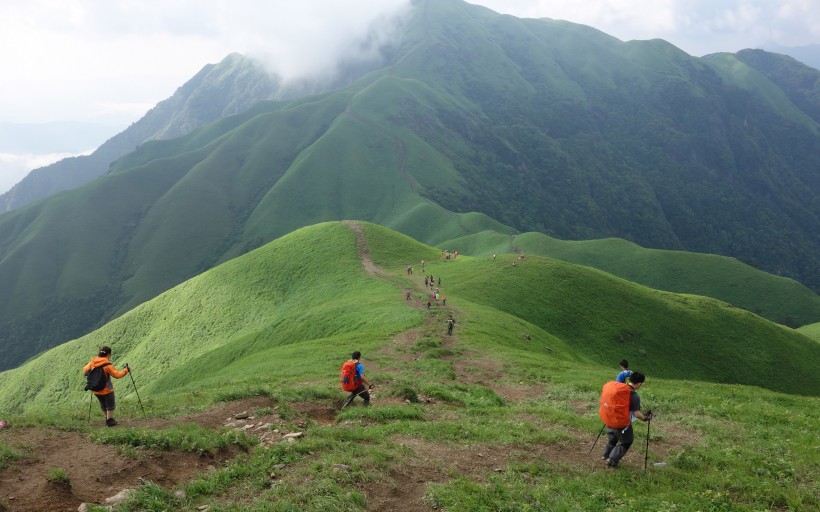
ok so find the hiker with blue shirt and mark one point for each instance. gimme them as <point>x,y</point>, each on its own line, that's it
<point>625,372</point>
<point>362,385</point>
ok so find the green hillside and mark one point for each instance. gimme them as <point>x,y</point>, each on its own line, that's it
<point>309,287</point>
<point>776,298</point>
<point>812,331</point>
<point>475,122</point>
<point>488,417</point>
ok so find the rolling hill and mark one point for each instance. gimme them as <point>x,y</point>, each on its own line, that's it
<point>233,363</point>
<point>473,122</point>
<point>310,288</point>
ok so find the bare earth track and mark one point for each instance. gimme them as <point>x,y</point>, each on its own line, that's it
<point>24,485</point>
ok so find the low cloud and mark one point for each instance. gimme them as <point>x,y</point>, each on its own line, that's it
<point>15,167</point>
<point>68,57</point>
<point>310,38</point>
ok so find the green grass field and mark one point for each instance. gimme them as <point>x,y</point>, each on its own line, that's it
<point>500,416</point>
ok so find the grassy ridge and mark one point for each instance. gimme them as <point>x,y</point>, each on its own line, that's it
<point>275,296</point>
<point>278,321</point>
<point>778,299</point>
<point>278,295</point>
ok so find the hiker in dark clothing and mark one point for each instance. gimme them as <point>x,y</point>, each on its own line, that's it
<point>451,322</point>
<point>364,384</point>
<point>106,395</point>
<point>620,439</point>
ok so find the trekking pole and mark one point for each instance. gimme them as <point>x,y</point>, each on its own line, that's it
<point>596,439</point>
<point>135,390</point>
<point>349,400</point>
<point>646,456</point>
<point>89,406</point>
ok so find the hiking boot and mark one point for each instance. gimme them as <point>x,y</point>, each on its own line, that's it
<point>367,403</point>
<point>110,422</point>
<point>611,463</point>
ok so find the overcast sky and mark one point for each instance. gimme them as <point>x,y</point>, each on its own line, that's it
<point>109,61</point>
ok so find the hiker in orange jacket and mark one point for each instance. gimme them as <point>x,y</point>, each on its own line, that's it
<point>106,395</point>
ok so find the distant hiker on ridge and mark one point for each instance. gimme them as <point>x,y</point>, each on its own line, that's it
<point>451,322</point>
<point>99,382</point>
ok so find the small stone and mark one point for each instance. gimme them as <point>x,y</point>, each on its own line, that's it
<point>120,497</point>
<point>179,494</point>
<point>294,435</point>
<point>242,415</point>
<point>341,467</point>
<point>280,466</point>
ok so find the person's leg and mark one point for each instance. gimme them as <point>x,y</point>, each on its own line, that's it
<point>366,396</point>
<point>612,440</point>
<point>101,400</point>
<point>625,439</point>
<point>110,405</point>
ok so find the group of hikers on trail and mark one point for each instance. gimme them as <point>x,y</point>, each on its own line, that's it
<point>619,404</point>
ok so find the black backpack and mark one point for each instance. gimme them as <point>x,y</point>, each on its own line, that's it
<point>96,379</point>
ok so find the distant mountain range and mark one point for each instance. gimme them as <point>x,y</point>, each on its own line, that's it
<point>472,122</point>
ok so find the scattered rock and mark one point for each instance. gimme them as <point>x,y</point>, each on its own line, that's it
<point>242,416</point>
<point>280,466</point>
<point>203,507</point>
<point>120,497</point>
<point>179,494</point>
<point>341,467</point>
<point>294,435</point>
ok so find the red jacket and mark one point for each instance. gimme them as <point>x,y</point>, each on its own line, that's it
<point>110,371</point>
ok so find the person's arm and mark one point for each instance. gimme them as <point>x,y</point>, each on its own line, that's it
<point>360,369</point>
<point>641,416</point>
<point>117,374</point>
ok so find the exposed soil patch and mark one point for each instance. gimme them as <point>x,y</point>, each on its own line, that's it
<point>95,472</point>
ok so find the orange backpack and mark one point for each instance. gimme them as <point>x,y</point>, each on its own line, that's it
<point>614,409</point>
<point>349,380</point>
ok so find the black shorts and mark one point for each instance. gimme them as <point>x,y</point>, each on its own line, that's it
<point>107,402</point>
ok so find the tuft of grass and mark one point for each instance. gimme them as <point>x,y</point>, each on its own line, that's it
<point>382,414</point>
<point>8,455</point>
<point>58,476</point>
<point>189,438</point>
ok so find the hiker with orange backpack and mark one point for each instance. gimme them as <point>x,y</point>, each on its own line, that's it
<point>98,373</point>
<point>620,404</point>
<point>354,381</point>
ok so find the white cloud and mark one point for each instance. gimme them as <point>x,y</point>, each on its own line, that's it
<point>75,59</point>
<point>696,26</point>
<point>60,58</point>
